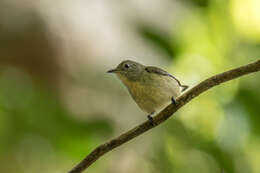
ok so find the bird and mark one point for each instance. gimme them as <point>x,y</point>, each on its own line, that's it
<point>152,88</point>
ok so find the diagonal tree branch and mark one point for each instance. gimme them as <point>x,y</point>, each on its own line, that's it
<point>166,113</point>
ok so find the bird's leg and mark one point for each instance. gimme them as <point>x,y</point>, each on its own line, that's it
<point>150,118</point>
<point>174,101</point>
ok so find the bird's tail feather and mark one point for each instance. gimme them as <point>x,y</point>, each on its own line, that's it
<point>184,87</point>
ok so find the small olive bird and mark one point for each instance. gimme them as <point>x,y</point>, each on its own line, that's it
<point>151,87</point>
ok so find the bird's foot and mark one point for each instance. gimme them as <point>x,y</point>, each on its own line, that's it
<point>174,101</point>
<point>150,118</point>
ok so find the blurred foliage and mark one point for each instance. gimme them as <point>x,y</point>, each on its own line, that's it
<point>30,112</point>
<point>198,3</point>
<point>211,138</point>
<point>158,39</point>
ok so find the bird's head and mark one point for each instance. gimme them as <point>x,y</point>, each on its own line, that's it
<point>129,70</point>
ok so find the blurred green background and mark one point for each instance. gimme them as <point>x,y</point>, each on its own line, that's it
<point>57,103</point>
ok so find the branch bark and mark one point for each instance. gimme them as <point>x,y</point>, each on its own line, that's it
<point>166,113</point>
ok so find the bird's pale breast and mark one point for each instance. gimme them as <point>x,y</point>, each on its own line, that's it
<point>153,93</point>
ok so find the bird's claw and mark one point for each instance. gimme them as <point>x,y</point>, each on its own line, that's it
<point>174,101</point>
<point>150,118</point>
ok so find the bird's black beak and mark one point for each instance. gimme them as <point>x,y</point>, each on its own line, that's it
<point>112,71</point>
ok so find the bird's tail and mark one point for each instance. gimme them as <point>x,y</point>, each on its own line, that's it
<point>184,87</point>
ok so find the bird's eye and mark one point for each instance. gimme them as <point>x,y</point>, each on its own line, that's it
<point>126,66</point>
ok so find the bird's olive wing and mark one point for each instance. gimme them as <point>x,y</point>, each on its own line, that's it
<point>156,70</point>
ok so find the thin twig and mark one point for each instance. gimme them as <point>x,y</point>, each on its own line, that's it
<point>166,113</point>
